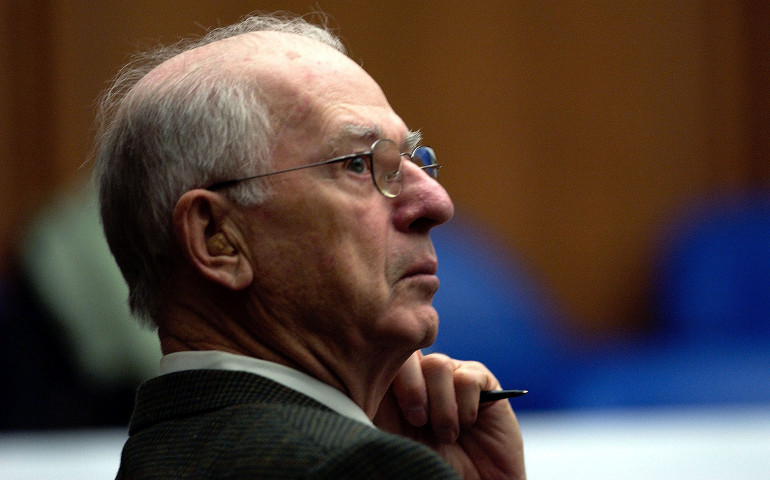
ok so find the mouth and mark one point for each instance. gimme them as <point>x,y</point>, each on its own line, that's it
<point>421,276</point>
<point>427,267</point>
<point>420,280</point>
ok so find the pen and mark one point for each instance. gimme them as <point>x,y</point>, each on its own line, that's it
<point>492,395</point>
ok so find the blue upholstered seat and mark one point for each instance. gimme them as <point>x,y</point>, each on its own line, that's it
<point>711,302</point>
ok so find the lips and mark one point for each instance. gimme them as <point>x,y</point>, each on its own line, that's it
<point>428,266</point>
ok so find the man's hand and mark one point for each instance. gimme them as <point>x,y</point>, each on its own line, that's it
<point>435,400</point>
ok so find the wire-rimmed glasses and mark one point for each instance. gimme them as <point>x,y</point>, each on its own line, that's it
<point>383,161</point>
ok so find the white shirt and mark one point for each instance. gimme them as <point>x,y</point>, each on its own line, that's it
<point>286,376</point>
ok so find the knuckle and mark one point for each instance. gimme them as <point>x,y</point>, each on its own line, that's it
<point>437,363</point>
<point>466,377</point>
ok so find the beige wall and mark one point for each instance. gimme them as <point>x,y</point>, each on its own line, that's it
<point>574,130</point>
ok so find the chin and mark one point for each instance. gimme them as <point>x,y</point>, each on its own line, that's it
<point>419,327</point>
<point>406,324</point>
<point>431,330</point>
<point>429,339</point>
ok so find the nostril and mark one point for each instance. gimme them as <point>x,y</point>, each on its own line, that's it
<point>422,225</point>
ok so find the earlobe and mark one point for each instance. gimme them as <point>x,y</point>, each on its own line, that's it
<point>207,236</point>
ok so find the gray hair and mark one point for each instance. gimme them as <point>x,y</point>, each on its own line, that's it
<point>192,130</point>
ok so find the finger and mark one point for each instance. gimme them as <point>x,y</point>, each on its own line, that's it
<point>410,391</point>
<point>470,378</point>
<point>442,403</point>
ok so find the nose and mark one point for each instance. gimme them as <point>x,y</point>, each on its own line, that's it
<point>422,204</point>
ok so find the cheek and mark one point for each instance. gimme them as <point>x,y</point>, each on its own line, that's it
<point>344,242</point>
<point>357,268</point>
<point>370,243</point>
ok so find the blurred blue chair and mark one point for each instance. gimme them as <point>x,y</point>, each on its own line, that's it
<point>715,283</point>
<point>711,301</point>
<point>492,310</point>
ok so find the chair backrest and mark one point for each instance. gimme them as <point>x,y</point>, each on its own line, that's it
<point>714,280</point>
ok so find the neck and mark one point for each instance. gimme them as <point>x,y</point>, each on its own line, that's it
<point>362,374</point>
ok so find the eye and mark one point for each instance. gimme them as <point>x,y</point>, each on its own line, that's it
<point>357,165</point>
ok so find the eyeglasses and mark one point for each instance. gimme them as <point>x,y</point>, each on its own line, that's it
<point>383,161</point>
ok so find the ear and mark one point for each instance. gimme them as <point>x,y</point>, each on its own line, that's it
<point>210,240</point>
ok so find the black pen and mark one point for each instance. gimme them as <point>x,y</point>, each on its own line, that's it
<point>492,395</point>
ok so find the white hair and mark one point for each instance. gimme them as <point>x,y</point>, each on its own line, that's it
<point>189,131</point>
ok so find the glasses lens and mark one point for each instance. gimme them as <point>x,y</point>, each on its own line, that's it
<point>425,158</point>
<point>386,167</point>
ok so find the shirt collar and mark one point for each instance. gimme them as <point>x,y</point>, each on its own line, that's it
<point>286,376</point>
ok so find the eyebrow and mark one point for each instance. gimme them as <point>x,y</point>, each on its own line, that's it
<point>411,141</point>
<point>350,133</point>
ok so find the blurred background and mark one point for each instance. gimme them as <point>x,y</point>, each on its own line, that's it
<point>609,162</point>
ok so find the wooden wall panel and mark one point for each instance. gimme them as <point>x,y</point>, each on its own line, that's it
<point>6,125</point>
<point>757,73</point>
<point>25,116</point>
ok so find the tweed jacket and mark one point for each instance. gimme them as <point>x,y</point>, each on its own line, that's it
<point>215,424</point>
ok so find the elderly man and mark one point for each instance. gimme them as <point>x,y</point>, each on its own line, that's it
<point>271,215</point>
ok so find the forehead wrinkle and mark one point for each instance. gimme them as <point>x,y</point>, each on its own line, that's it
<point>354,133</point>
<point>368,134</point>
